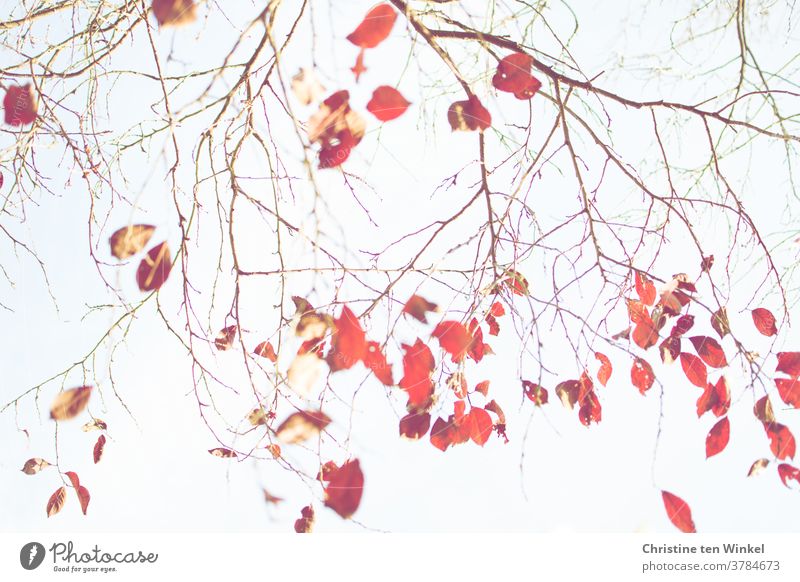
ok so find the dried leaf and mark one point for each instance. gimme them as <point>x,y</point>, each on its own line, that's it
<point>307,87</point>
<point>34,465</point>
<point>303,373</point>
<point>306,522</point>
<point>469,115</point>
<point>757,467</point>
<point>56,501</point>
<point>130,240</point>
<point>224,339</point>
<point>302,426</point>
<point>70,403</point>
<point>223,453</point>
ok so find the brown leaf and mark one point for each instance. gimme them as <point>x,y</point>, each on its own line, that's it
<point>56,501</point>
<point>70,403</point>
<point>720,323</point>
<point>757,467</point>
<point>417,307</point>
<point>270,498</point>
<point>33,466</point>
<point>225,337</point>
<point>306,522</point>
<point>223,453</point>
<point>301,426</point>
<point>94,424</point>
<point>129,240</point>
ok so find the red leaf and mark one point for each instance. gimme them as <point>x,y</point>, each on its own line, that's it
<point>480,425</point>
<point>494,326</point>
<point>359,68</point>
<point>343,493</point>
<point>453,338</point>
<point>645,289</point>
<point>642,375</point>
<point>789,390</point>
<point>348,343</point>
<point>387,103</point>
<point>99,447</point>
<point>678,512</point>
<point>513,76</point>
<point>440,434</point>
<point>418,364</point>
<point>415,425</point>
<point>483,387</point>
<point>327,469</point>
<point>715,397</point>
<point>477,348</point>
<point>764,321</point>
<point>336,128</point>
<point>497,309</point>
<point>683,325</point>
<point>709,350</point>
<point>469,115</point>
<point>225,337</point>
<point>789,363</point>
<point>786,472</point>
<point>80,490</point>
<point>516,283</point>
<point>604,373</point>
<point>154,268</point>
<point>56,501</point>
<point>375,27</point>
<point>20,105</point>
<point>70,403</point>
<point>174,12</point>
<point>417,307</point>
<point>694,369</point>
<point>717,438</point>
<point>265,350</point>
<point>781,440</point>
<point>535,393</point>
<point>590,410</point>
<point>376,361</point>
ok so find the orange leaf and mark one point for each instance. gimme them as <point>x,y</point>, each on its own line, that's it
<point>678,512</point>
<point>604,373</point>
<point>343,493</point>
<point>418,364</point>
<point>453,338</point>
<point>781,440</point>
<point>717,438</point>
<point>480,425</point>
<point>715,397</point>
<point>387,103</point>
<point>645,289</point>
<point>709,351</point>
<point>375,360</point>
<point>348,343</point>
<point>70,403</point>
<point>375,27</point>
<point>642,375</point>
<point>694,369</point>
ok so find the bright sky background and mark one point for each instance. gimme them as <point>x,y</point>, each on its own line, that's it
<point>553,475</point>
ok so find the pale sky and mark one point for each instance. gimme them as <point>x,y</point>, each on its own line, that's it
<point>553,475</point>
